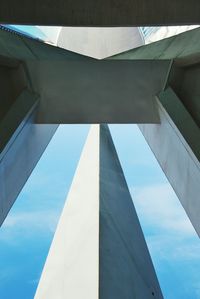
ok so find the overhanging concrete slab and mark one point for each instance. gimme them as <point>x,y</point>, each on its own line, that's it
<point>98,91</point>
<point>98,13</point>
<point>77,89</point>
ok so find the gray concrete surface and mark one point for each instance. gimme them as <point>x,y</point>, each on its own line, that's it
<point>22,142</point>
<point>126,270</point>
<point>98,251</point>
<point>114,91</point>
<point>176,146</point>
<point>100,13</point>
<point>175,141</point>
<point>18,160</point>
<point>98,91</point>
<point>99,42</point>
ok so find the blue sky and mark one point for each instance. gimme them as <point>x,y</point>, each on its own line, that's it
<point>27,233</point>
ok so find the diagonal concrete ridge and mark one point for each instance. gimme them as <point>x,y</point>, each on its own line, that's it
<point>98,251</point>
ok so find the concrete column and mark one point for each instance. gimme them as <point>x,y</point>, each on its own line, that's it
<point>176,145</point>
<point>72,266</point>
<point>175,141</point>
<point>21,141</point>
<point>98,250</point>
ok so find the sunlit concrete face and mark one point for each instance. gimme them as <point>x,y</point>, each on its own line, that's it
<point>98,251</point>
<point>71,269</point>
<point>99,42</point>
<point>175,141</point>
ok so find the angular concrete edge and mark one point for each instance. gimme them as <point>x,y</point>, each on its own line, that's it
<point>20,158</point>
<point>126,269</point>
<point>72,266</point>
<point>181,47</point>
<point>98,250</point>
<point>177,159</point>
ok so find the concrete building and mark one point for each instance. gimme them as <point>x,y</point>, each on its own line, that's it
<point>155,86</point>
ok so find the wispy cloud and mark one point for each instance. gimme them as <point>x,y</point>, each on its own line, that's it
<point>172,241</point>
<point>41,220</point>
<point>158,206</point>
<point>28,225</point>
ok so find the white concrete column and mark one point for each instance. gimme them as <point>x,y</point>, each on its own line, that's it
<point>72,266</point>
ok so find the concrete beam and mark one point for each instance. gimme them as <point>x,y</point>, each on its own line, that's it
<point>114,91</point>
<point>98,13</point>
<point>98,91</point>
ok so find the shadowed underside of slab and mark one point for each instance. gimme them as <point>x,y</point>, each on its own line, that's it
<point>73,88</point>
<point>98,91</point>
<point>100,13</point>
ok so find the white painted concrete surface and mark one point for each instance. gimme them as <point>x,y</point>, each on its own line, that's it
<point>99,42</point>
<point>72,266</point>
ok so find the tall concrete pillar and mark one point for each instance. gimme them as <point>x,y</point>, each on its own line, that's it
<point>22,142</point>
<point>98,251</point>
<point>176,140</point>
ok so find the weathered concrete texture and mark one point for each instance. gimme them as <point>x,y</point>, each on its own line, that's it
<point>176,145</point>
<point>98,13</point>
<point>99,42</point>
<point>126,270</point>
<point>72,265</point>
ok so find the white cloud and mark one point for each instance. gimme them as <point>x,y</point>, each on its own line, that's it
<point>27,225</point>
<point>169,233</point>
<point>47,219</point>
<point>158,206</point>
